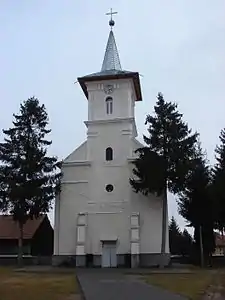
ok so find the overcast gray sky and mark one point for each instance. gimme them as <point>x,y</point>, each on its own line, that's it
<point>178,46</point>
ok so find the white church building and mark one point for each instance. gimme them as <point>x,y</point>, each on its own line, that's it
<point>99,220</point>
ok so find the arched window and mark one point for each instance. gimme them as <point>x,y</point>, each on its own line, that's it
<point>109,105</point>
<point>109,153</point>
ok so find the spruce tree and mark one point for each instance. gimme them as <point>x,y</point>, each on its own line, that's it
<point>175,237</point>
<point>163,163</point>
<point>219,183</point>
<point>196,206</point>
<point>29,177</point>
<point>186,243</point>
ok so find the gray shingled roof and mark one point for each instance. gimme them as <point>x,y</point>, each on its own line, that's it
<point>111,59</point>
<point>108,73</point>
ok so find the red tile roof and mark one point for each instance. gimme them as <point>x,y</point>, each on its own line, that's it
<point>9,228</point>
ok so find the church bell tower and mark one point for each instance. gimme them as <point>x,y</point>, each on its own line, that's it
<point>111,94</point>
<point>113,91</point>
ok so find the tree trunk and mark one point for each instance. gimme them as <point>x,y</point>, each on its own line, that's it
<point>20,245</point>
<point>201,247</point>
<point>164,230</point>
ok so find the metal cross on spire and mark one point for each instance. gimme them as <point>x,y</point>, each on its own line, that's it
<point>111,59</point>
<point>111,21</point>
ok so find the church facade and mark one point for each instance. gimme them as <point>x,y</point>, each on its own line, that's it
<point>99,220</point>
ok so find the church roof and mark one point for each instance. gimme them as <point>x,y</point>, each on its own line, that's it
<point>111,59</point>
<point>108,73</point>
<point>111,62</point>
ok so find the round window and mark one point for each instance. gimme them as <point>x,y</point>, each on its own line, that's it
<point>109,188</point>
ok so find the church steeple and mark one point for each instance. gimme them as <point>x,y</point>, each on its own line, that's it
<point>111,59</point>
<point>111,67</point>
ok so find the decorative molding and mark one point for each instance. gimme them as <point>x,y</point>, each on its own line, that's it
<point>135,214</point>
<point>92,136</point>
<point>105,238</point>
<point>112,164</point>
<point>104,212</point>
<point>96,86</point>
<point>135,248</point>
<point>81,220</point>
<point>92,133</point>
<point>84,213</point>
<point>108,202</point>
<point>81,234</point>
<point>80,250</point>
<point>99,86</point>
<point>127,132</point>
<point>131,159</point>
<point>134,221</point>
<point>74,181</point>
<point>76,163</point>
<point>135,233</point>
<point>107,121</point>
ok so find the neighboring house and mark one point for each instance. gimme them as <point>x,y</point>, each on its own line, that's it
<point>220,244</point>
<point>99,220</point>
<point>37,236</point>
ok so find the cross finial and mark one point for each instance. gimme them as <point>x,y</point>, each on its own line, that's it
<point>111,21</point>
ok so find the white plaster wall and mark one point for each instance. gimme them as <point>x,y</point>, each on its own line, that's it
<point>75,173</point>
<point>123,101</point>
<point>112,172</point>
<point>108,225</point>
<point>73,200</point>
<point>109,175</point>
<point>56,225</point>
<point>79,153</point>
<point>110,135</point>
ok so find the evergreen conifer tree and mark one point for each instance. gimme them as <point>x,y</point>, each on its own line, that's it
<point>196,205</point>
<point>163,163</point>
<point>175,237</point>
<point>29,178</point>
<point>219,183</point>
<point>186,243</point>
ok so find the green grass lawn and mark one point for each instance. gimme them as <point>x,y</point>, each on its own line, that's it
<point>37,286</point>
<point>192,285</point>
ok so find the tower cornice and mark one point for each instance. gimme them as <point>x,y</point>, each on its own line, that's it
<point>112,75</point>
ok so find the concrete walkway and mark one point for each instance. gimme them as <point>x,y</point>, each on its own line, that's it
<point>102,285</point>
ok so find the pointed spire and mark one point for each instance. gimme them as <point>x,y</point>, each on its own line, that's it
<point>111,59</point>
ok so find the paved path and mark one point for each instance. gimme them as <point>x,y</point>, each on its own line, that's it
<point>108,285</point>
